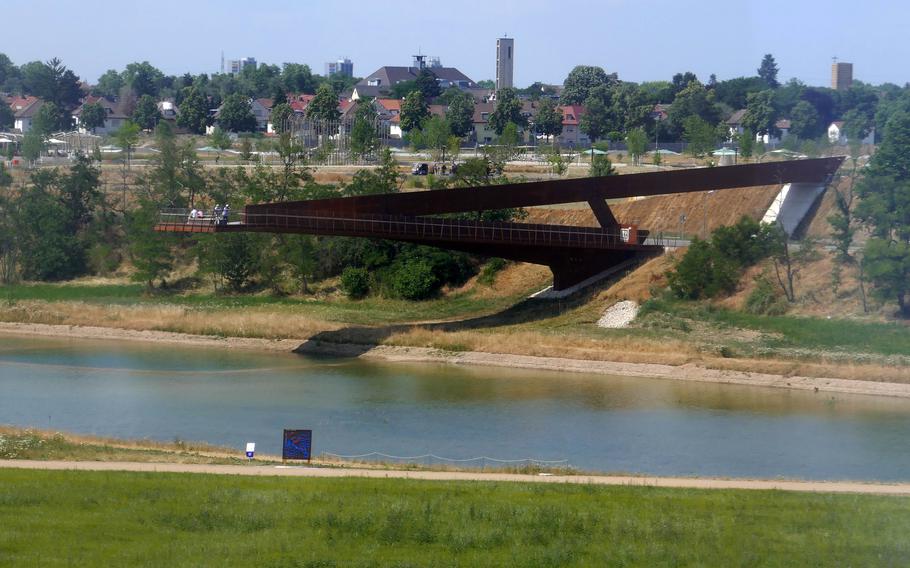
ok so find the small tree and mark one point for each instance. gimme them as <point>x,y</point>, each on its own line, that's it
<point>194,111</point>
<point>146,114</point>
<point>507,110</point>
<point>789,263</point>
<point>221,141</point>
<point>414,111</point>
<point>324,105</point>
<point>364,140</point>
<point>637,143</point>
<point>436,136</point>
<point>92,116</point>
<point>700,136</point>
<point>32,147</point>
<point>127,136</point>
<point>236,114</point>
<point>279,117</point>
<point>460,114</point>
<point>746,143</point>
<point>355,282</point>
<point>601,166</point>
<point>548,121</point>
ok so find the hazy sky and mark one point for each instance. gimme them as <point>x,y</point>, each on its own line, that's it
<point>637,39</point>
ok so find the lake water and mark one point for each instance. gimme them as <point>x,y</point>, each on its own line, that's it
<point>609,424</point>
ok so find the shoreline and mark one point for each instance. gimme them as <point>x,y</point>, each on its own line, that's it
<point>400,354</point>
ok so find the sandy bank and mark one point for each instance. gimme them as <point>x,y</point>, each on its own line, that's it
<point>688,372</point>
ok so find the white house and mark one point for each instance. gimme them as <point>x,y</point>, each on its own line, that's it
<point>782,125</point>
<point>836,134</point>
<point>24,111</point>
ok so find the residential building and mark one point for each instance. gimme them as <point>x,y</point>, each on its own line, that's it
<point>112,122</point>
<point>841,75</point>
<point>837,135</point>
<point>504,62</point>
<point>572,136</point>
<point>783,128</point>
<point>380,82</point>
<point>483,133</point>
<point>343,67</point>
<point>28,108</point>
<point>735,123</point>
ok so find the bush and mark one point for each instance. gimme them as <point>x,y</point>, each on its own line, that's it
<point>355,282</point>
<point>766,299</point>
<point>490,269</point>
<point>414,280</point>
<point>703,273</point>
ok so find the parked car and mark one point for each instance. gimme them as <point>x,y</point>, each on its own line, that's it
<point>420,169</point>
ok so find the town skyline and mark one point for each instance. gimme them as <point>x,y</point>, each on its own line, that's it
<point>285,32</point>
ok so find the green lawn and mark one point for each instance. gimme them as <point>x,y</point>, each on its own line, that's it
<point>123,519</point>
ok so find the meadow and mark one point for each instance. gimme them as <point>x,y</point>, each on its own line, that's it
<point>152,519</point>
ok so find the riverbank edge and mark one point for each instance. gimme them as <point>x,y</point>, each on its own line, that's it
<point>855,487</point>
<point>400,354</point>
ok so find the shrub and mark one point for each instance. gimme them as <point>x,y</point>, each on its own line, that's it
<point>355,282</point>
<point>414,280</point>
<point>766,298</point>
<point>489,271</point>
<point>703,273</point>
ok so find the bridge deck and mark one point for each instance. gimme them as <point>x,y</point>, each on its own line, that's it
<point>418,229</point>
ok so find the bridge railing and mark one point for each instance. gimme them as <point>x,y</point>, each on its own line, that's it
<point>413,228</point>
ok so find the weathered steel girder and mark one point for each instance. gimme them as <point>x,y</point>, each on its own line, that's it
<point>572,253</point>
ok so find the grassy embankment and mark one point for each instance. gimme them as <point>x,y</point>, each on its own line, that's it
<point>667,331</point>
<point>123,519</point>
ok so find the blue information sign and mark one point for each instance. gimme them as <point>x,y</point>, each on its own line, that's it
<point>298,445</point>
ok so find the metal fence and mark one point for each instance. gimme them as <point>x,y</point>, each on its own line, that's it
<point>329,142</point>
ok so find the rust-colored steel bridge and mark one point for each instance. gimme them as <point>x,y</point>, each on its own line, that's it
<point>572,253</point>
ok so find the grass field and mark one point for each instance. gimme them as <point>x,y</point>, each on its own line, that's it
<point>128,519</point>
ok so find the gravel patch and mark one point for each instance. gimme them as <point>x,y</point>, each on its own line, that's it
<point>619,315</point>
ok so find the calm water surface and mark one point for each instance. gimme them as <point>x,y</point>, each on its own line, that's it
<point>614,424</point>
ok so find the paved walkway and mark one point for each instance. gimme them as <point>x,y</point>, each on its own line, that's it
<point>304,471</point>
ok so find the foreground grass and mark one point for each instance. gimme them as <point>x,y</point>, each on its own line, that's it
<point>121,519</point>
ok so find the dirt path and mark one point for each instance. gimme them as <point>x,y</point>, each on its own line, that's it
<point>304,471</point>
<point>390,353</point>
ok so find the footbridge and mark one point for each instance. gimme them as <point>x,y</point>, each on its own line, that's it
<point>573,254</point>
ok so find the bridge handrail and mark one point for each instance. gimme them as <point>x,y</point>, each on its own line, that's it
<point>440,227</point>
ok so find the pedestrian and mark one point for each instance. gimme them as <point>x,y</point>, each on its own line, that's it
<point>224,214</point>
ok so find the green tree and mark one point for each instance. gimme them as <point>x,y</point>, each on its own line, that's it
<point>508,109</point>
<point>414,279</point>
<point>580,81</point>
<point>760,114</point>
<point>435,135</point>
<point>50,118</point>
<point>108,85</point>
<point>427,84</point>
<point>548,121</point>
<point>194,112</point>
<point>149,251</point>
<point>637,144</point>
<point>384,179</point>
<point>92,116</point>
<point>53,83</point>
<point>146,114</point>
<point>236,114</point>
<point>279,117</point>
<point>746,143</point>
<point>355,282</point>
<point>143,79</point>
<point>324,105</point>
<point>601,166</point>
<point>32,146</point>
<point>460,112</point>
<point>127,136</point>
<point>414,111</point>
<point>7,117</point>
<point>700,136</point>
<point>221,141</point>
<point>885,208</point>
<point>805,121</point>
<point>364,140</point>
<point>768,71</point>
<point>693,100</point>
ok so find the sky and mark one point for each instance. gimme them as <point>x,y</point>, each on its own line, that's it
<point>641,41</point>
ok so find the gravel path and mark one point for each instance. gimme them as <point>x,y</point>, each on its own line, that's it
<point>305,471</point>
<point>619,315</point>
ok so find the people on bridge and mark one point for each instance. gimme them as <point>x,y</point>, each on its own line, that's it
<point>216,214</point>
<point>193,214</point>
<point>224,214</point>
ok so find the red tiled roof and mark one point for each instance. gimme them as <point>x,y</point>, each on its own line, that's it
<point>783,123</point>
<point>19,103</point>
<point>571,114</point>
<point>390,104</point>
